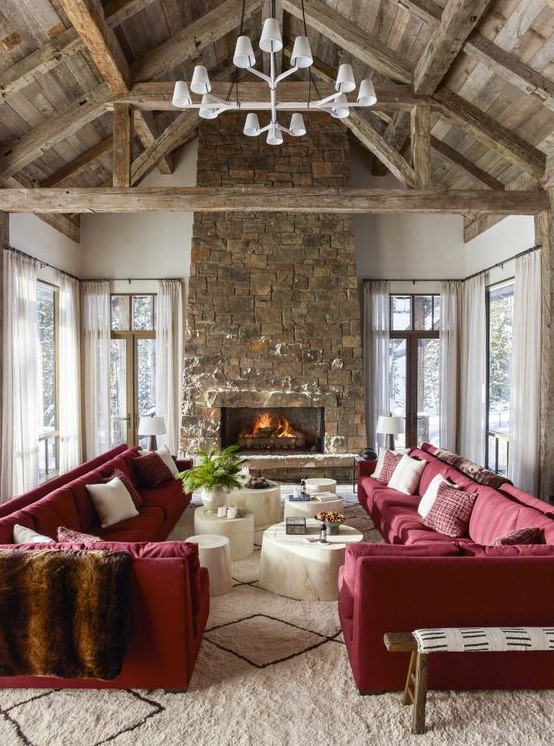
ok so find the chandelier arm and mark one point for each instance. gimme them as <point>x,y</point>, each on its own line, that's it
<point>261,75</point>
<point>284,75</point>
<point>323,101</point>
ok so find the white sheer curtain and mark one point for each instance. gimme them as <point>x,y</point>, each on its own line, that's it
<point>169,358</point>
<point>95,300</point>
<point>21,388</point>
<point>69,374</point>
<point>473,366</point>
<point>525,390</point>
<point>451,311</point>
<point>376,314</point>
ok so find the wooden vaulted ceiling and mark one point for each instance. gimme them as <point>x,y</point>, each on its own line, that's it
<point>465,95</point>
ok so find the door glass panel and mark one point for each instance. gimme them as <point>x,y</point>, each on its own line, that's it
<point>436,311</point>
<point>143,312</point>
<point>397,384</point>
<point>401,312</point>
<point>428,391</point>
<point>146,380</point>
<point>500,357</point>
<point>118,391</point>
<point>423,312</point>
<point>120,312</point>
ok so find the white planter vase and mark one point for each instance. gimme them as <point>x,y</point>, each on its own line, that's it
<point>214,498</point>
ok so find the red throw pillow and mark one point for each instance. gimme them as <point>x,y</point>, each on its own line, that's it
<point>390,463</point>
<point>532,535</point>
<point>151,469</point>
<point>451,511</point>
<point>129,486</point>
<point>68,534</point>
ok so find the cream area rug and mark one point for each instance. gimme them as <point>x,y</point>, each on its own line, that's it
<point>271,671</point>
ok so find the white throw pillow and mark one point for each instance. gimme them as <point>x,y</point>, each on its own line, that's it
<point>23,535</point>
<point>430,495</point>
<point>166,457</point>
<point>112,501</point>
<point>406,476</point>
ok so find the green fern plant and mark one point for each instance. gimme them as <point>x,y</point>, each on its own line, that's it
<point>215,468</point>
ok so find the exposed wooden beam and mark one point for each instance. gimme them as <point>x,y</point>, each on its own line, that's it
<point>364,46</point>
<point>156,95</point>
<point>147,132</point>
<point>80,164</point>
<point>189,43</point>
<point>474,226</point>
<point>271,199</point>
<point>458,21</point>
<point>122,138</point>
<point>421,145</point>
<point>487,130</point>
<point>396,134</point>
<point>468,166</point>
<point>71,119</point>
<point>87,17</point>
<point>175,135</point>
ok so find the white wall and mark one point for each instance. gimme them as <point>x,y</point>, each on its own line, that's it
<point>33,236</point>
<point>153,244</point>
<point>499,243</point>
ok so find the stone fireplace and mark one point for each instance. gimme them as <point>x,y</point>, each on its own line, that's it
<point>274,429</point>
<point>273,316</point>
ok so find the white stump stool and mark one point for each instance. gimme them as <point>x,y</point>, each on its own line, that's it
<point>239,530</point>
<point>214,553</point>
<point>320,484</point>
<point>265,503</point>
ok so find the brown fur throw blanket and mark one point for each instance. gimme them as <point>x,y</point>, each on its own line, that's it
<point>64,613</point>
<point>469,468</point>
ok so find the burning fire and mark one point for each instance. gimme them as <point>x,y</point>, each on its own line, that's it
<point>284,429</point>
<point>280,429</point>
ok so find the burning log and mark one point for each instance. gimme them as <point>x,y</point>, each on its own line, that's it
<point>268,434</point>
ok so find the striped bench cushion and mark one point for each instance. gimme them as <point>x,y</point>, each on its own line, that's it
<point>479,639</point>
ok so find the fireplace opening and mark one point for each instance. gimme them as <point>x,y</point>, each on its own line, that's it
<point>273,429</point>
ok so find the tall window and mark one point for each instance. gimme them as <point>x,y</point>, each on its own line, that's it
<point>414,367</point>
<point>47,318</point>
<point>132,365</point>
<point>499,344</point>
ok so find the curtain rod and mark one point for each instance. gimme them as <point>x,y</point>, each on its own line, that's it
<point>42,262</point>
<point>450,279</point>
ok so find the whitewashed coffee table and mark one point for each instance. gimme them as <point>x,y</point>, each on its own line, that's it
<point>292,566</point>
<point>308,508</point>
<point>239,530</point>
<point>265,503</point>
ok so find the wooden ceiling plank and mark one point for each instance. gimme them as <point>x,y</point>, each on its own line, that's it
<point>421,145</point>
<point>122,139</point>
<point>80,164</point>
<point>71,119</point>
<point>468,166</point>
<point>487,130</point>
<point>458,20</point>
<point>364,46</point>
<point>87,17</point>
<point>318,200</point>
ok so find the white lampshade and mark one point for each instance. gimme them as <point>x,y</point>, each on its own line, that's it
<point>244,54</point>
<point>389,425</point>
<point>252,125</point>
<point>301,53</point>
<point>337,110</point>
<point>345,79</point>
<point>207,108</point>
<point>366,94</point>
<point>297,126</point>
<point>270,40</point>
<point>200,82</point>
<point>151,426</point>
<point>181,95</point>
<point>274,135</point>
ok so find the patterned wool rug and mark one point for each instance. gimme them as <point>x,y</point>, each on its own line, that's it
<point>271,671</point>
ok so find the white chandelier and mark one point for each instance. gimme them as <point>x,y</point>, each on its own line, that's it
<point>271,42</point>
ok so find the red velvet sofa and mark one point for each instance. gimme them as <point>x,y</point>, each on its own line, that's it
<point>170,591</point>
<point>421,578</point>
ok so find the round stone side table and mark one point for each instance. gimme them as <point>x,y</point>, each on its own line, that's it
<point>308,508</point>
<point>239,530</point>
<point>320,484</point>
<point>214,553</point>
<point>265,503</point>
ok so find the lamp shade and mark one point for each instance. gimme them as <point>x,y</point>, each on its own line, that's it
<point>200,82</point>
<point>366,94</point>
<point>151,426</point>
<point>244,54</point>
<point>389,425</point>
<point>297,126</point>
<point>270,40</point>
<point>207,108</point>
<point>345,79</point>
<point>338,109</point>
<point>274,135</point>
<point>301,53</point>
<point>181,95</point>
<point>252,125</point>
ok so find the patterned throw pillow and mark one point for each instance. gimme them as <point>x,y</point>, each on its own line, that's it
<point>532,535</point>
<point>451,511</point>
<point>151,469</point>
<point>68,534</point>
<point>130,487</point>
<point>390,462</point>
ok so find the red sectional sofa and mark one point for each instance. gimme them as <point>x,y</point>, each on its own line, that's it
<point>421,578</point>
<point>170,592</point>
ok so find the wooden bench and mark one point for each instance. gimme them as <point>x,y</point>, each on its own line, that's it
<point>422,643</point>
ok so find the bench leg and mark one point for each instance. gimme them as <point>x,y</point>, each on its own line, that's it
<point>418,722</point>
<point>409,688</point>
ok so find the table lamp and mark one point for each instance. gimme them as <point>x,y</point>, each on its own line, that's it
<point>390,426</point>
<point>152,426</point>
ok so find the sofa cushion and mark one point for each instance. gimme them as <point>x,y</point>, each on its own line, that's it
<point>119,464</point>
<point>451,511</point>
<point>170,497</point>
<point>88,517</point>
<point>529,517</point>
<point>405,477</point>
<point>23,517</point>
<point>531,535</point>
<point>147,522</point>
<point>151,470</point>
<point>56,509</point>
<point>430,495</point>
<point>507,550</point>
<point>167,458</point>
<point>493,515</point>
<point>23,535</point>
<point>130,487</point>
<point>112,501</point>
<point>69,535</point>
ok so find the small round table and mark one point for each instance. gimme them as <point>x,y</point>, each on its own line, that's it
<point>265,503</point>
<point>308,508</point>
<point>214,553</point>
<point>298,566</point>
<point>239,530</point>
<point>320,484</point>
